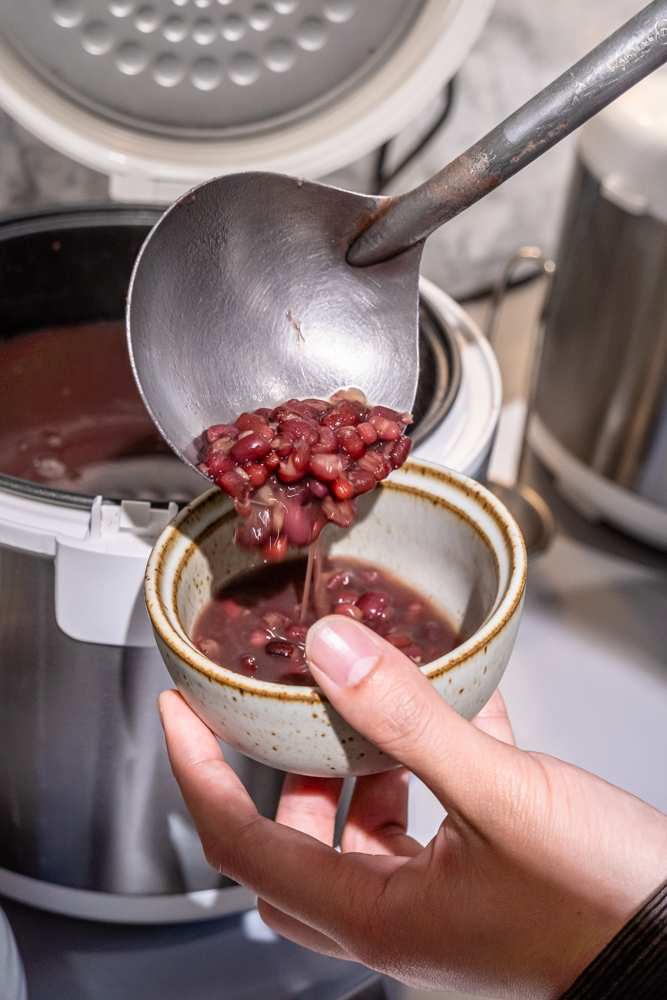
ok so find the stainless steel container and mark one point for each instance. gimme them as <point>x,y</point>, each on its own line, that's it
<point>91,820</point>
<point>601,410</point>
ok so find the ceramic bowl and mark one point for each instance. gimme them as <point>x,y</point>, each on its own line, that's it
<point>441,532</point>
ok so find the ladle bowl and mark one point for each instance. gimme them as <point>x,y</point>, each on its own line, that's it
<point>241,297</point>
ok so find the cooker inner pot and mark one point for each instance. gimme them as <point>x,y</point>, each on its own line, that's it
<point>72,422</point>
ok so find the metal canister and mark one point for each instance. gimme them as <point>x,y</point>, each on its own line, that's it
<point>601,409</point>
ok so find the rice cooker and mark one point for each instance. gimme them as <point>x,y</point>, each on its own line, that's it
<point>601,404</point>
<point>163,94</point>
<point>92,823</point>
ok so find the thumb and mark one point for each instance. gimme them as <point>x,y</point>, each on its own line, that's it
<point>393,704</point>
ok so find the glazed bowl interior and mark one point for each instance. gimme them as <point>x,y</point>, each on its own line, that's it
<point>436,530</point>
<point>431,543</point>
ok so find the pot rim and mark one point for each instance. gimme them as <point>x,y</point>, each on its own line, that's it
<point>490,628</point>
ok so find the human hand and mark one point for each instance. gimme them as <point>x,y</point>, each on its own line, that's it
<point>536,867</point>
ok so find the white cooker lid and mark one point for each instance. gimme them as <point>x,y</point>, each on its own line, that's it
<point>166,93</point>
<point>625,147</point>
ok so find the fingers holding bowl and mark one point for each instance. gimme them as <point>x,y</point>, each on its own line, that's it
<point>377,819</point>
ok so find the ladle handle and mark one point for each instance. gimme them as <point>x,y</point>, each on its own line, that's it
<point>617,64</point>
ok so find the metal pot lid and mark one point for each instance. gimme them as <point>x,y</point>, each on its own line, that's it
<point>193,67</point>
<point>162,94</point>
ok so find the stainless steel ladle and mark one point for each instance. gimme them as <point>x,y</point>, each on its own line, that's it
<point>256,287</point>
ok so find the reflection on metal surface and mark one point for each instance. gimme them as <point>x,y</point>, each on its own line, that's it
<point>88,797</point>
<point>526,506</point>
<point>531,513</point>
<point>603,387</point>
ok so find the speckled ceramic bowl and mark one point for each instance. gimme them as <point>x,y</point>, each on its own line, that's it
<point>439,531</point>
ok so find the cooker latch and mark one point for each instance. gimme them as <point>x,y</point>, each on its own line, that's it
<point>99,592</point>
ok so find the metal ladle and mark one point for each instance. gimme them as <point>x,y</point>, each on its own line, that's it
<point>257,287</point>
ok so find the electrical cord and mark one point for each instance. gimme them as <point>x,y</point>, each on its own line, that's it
<point>382,179</point>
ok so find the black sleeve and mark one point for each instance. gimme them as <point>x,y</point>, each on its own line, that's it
<point>634,965</point>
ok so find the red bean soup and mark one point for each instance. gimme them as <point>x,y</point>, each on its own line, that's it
<point>294,468</point>
<point>71,417</point>
<point>255,625</point>
<point>291,470</point>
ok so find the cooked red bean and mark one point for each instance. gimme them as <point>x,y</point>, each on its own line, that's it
<point>303,462</point>
<point>351,442</point>
<point>221,446</point>
<point>297,632</point>
<point>257,474</point>
<point>400,641</point>
<point>266,626</point>
<point>341,512</point>
<point>326,467</point>
<point>384,411</point>
<point>296,466</point>
<point>342,415</point>
<point>253,422</point>
<point>250,448</point>
<point>341,579</point>
<point>317,487</point>
<point>282,445</point>
<point>367,433</point>
<point>328,442</point>
<point>343,488</point>
<point>349,611</point>
<point>320,405</point>
<point>400,451</point>
<point>275,549</point>
<point>361,481</point>
<point>388,430</point>
<point>279,647</point>
<point>221,430</point>
<point>299,429</point>
<point>219,463</point>
<point>302,407</point>
<point>343,595</point>
<point>372,603</point>
<point>376,463</point>
<point>232,482</point>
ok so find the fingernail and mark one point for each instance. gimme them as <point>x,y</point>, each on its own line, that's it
<point>343,650</point>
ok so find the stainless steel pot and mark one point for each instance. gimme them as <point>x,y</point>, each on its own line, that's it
<point>87,798</point>
<point>601,408</point>
<point>91,820</point>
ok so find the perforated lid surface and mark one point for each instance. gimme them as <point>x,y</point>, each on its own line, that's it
<point>164,94</point>
<point>213,66</point>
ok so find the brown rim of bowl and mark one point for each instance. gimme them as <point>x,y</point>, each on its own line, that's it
<point>292,692</point>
